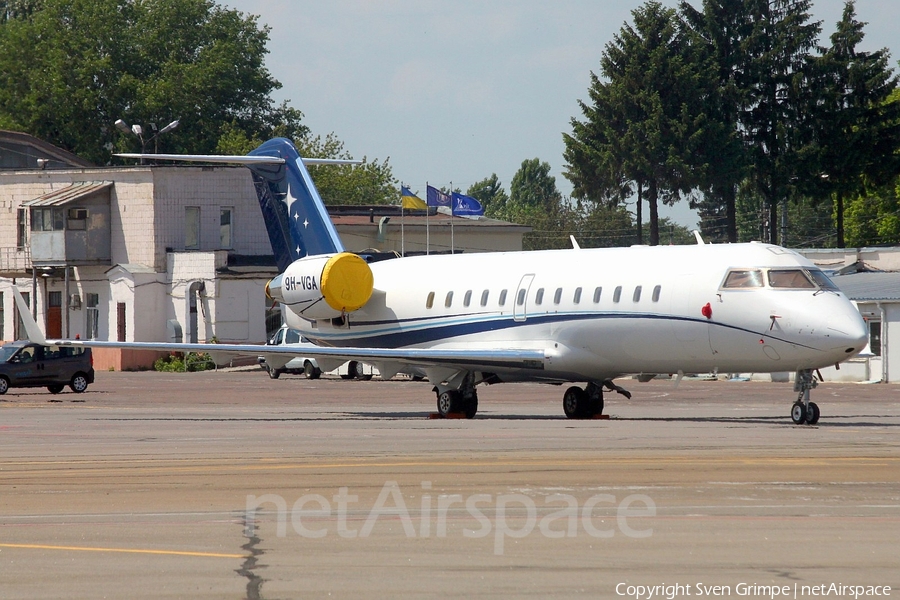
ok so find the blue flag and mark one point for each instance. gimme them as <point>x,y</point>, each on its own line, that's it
<point>466,205</point>
<point>437,198</point>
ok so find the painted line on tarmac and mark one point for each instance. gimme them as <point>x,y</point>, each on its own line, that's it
<point>123,550</point>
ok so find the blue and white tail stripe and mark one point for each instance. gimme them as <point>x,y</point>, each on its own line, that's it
<point>296,219</point>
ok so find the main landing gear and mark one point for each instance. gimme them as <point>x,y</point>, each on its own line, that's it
<point>586,403</point>
<point>463,400</point>
<point>804,411</point>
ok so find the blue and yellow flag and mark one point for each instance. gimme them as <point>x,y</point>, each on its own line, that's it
<point>409,200</point>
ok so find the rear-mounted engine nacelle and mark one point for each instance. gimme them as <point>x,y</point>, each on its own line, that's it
<point>323,287</point>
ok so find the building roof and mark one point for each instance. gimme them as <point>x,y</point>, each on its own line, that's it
<point>22,151</point>
<point>870,286</point>
<point>70,193</point>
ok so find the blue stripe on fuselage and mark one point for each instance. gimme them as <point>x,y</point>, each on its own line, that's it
<point>426,330</point>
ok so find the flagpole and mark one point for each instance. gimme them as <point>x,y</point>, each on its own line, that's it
<point>452,243</point>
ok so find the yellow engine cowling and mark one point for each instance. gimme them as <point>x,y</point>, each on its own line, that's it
<point>324,287</point>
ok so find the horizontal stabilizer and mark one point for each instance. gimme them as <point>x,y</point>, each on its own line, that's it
<point>239,159</point>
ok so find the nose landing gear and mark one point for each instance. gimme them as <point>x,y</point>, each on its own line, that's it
<point>804,411</point>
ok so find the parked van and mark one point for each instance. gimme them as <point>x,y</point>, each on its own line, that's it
<point>26,364</point>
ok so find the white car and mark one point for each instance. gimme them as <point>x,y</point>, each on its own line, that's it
<point>286,336</point>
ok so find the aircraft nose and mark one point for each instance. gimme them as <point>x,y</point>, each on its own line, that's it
<point>849,327</point>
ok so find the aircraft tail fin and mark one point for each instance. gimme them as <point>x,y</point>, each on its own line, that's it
<point>31,327</point>
<point>296,219</point>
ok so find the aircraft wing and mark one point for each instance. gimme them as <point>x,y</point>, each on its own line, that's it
<point>422,357</point>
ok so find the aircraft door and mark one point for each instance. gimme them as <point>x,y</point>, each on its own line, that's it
<point>691,329</point>
<point>520,301</point>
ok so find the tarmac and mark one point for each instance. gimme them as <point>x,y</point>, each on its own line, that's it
<point>232,485</point>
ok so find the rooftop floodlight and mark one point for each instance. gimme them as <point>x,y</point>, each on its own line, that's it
<point>169,127</point>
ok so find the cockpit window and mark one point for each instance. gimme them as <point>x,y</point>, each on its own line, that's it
<point>823,281</point>
<point>745,278</point>
<point>790,278</point>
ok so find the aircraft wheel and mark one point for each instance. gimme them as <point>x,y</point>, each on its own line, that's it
<point>471,407</point>
<point>595,406</point>
<point>575,402</point>
<point>274,373</point>
<point>812,415</point>
<point>798,413</point>
<point>311,371</point>
<point>448,402</point>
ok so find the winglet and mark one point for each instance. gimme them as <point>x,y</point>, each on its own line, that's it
<point>698,237</point>
<point>575,245</point>
<point>31,327</point>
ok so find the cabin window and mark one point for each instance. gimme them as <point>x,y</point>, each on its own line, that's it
<point>484,297</point>
<point>467,299</point>
<point>577,297</point>
<point>617,294</point>
<point>557,297</point>
<point>539,296</point>
<point>790,278</point>
<point>656,292</point>
<point>502,300</point>
<point>636,297</point>
<point>744,278</point>
<point>597,292</point>
<point>520,298</point>
<point>429,302</point>
<point>448,301</point>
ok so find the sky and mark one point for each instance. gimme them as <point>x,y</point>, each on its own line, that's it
<point>453,91</point>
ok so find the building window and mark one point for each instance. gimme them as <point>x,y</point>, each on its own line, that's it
<point>92,317</point>
<point>875,337</point>
<point>191,227</point>
<point>225,228</point>
<point>22,228</point>
<point>47,219</point>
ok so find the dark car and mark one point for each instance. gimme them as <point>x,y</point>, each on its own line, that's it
<point>25,364</point>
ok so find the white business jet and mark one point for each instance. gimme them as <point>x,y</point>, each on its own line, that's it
<point>557,316</point>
